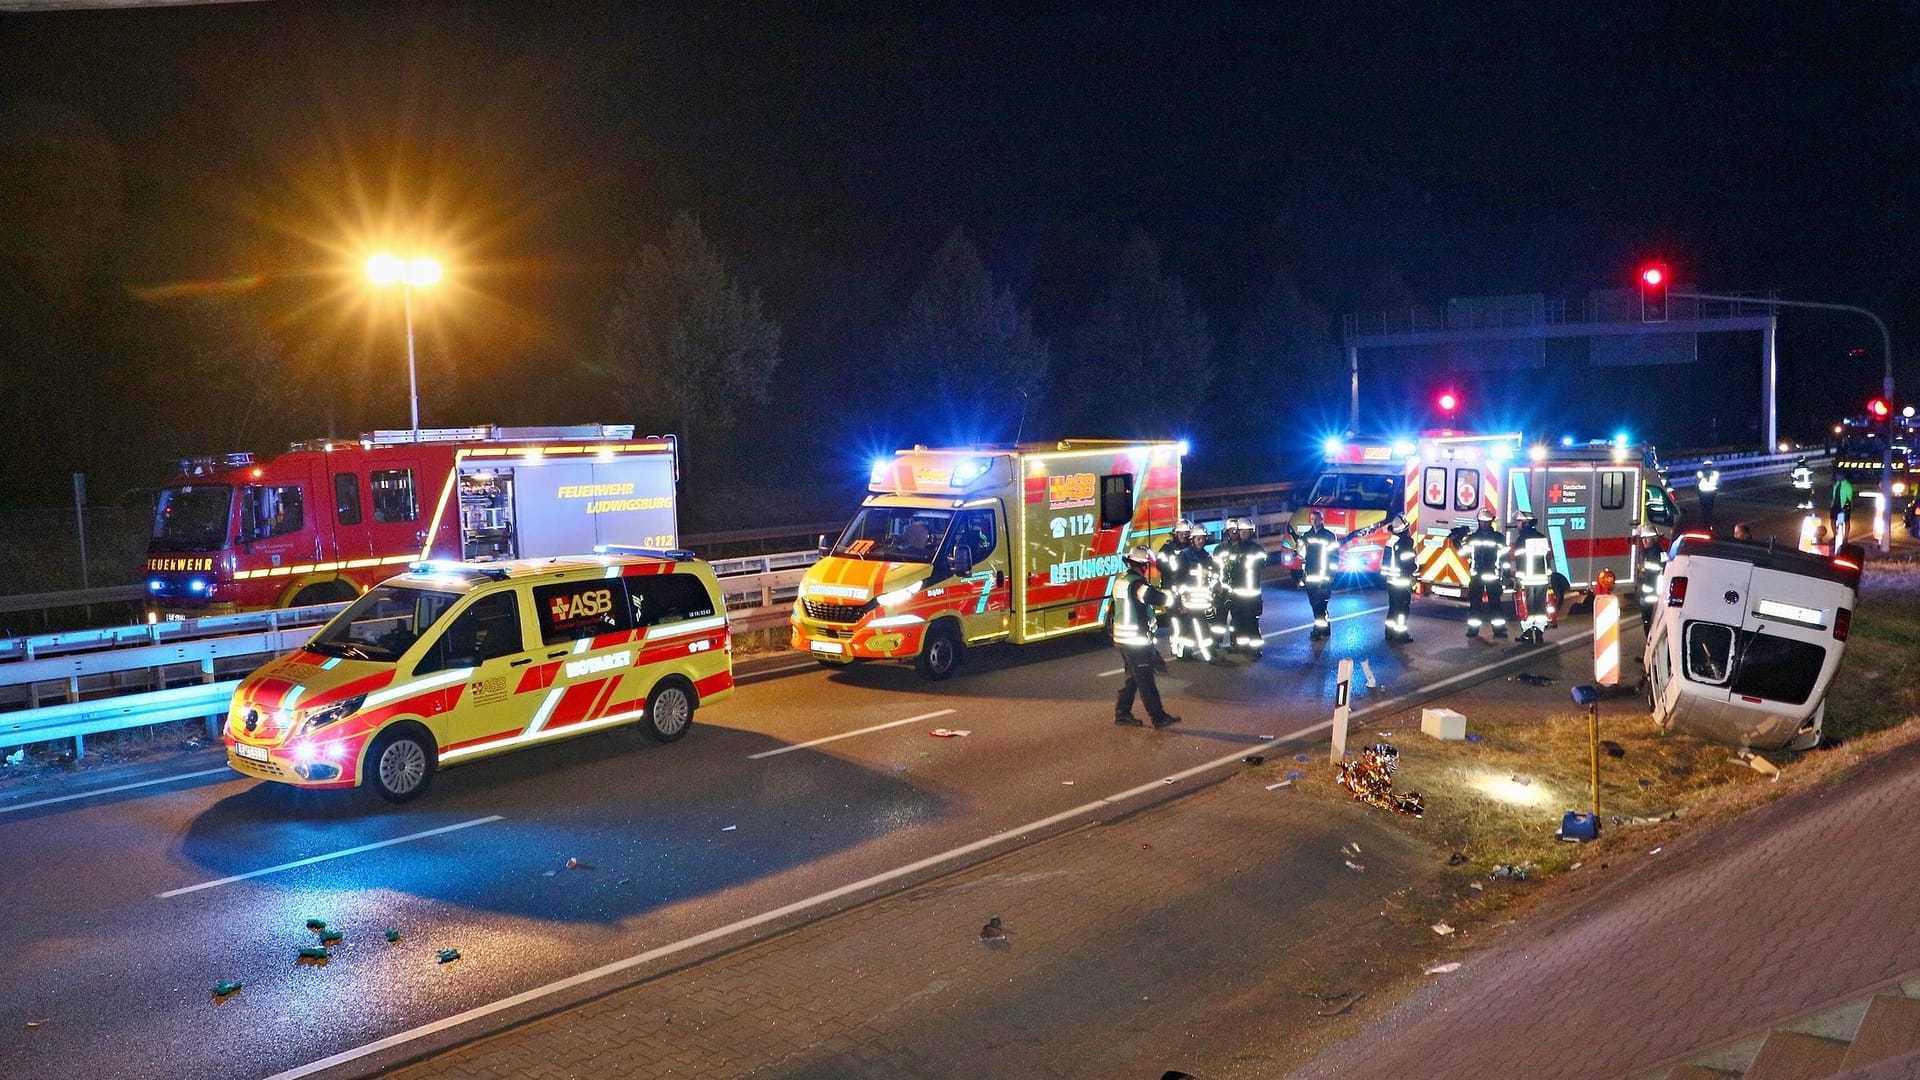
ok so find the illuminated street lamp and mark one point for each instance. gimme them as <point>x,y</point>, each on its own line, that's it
<point>410,274</point>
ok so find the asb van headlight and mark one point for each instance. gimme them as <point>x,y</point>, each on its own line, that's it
<point>307,721</point>
<point>901,595</point>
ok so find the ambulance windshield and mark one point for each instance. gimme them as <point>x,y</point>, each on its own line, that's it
<point>192,518</point>
<point>895,534</point>
<point>1355,491</point>
<point>383,623</point>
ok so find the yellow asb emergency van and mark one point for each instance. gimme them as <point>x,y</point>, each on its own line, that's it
<point>455,661</point>
<point>968,545</point>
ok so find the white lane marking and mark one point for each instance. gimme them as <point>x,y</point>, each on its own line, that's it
<point>1278,633</point>
<point>122,787</point>
<point>850,734</point>
<point>617,966</point>
<point>330,855</point>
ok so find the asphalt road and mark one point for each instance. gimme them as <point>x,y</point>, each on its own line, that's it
<point>811,791</point>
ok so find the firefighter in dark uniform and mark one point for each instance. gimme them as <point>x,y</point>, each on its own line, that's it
<point>1319,549</point>
<point>1226,558</point>
<point>1652,561</point>
<point>1250,556</point>
<point>1486,552</point>
<point>1707,485</point>
<point>1401,565</point>
<point>1135,608</point>
<point>1803,483</point>
<point>1185,572</point>
<point>1532,562</point>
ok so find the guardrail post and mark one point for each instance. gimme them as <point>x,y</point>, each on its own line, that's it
<point>73,694</point>
<point>213,719</point>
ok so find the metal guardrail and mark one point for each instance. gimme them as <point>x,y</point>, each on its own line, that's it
<point>1733,466</point>
<point>78,719</point>
<point>37,646</point>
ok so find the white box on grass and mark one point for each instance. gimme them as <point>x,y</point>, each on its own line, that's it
<point>1443,724</point>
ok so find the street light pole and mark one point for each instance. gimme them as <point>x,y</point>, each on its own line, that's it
<point>1886,390</point>
<point>413,382</point>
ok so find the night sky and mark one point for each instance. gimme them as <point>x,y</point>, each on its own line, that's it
<point>158,163</point>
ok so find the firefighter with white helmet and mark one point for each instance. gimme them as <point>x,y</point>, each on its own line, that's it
<point>1245,600</point>
<point>1486,553</point>
<point>1135,609</point>
<point>1400,563</point>
<point>1532,563</point>
<point>1226,560</point>
<point>1319,555</point>
<point>1652,562</point>
<point>1707,485</point>
<point>1803,483</point>
<point>1186,573</point>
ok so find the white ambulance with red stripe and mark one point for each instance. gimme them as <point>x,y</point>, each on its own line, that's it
<point>455,661</point>
<point>965,546</point>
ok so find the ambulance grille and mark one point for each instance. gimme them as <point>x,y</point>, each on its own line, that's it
<point>840,613</point>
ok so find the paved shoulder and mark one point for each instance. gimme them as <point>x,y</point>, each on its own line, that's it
<point>1795,904</point>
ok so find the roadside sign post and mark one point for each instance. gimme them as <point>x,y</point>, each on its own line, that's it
<point>79,515</point>
<point>1572,827</point>
<point>1342,706</point>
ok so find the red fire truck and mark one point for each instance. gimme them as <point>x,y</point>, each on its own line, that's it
<point>331,518</point>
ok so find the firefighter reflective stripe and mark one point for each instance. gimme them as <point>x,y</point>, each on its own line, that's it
<point>1535,562</point>
<point>1133,613</point>
<point>1321,545</point>
<point>1708,481</point>
<point>1401,563</point>
<point>1486,551</point>
<point>1247,576</point>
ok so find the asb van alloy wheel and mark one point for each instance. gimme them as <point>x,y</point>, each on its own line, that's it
<point>669,712</point>
<point>941,654</point>
<point>400,765</point>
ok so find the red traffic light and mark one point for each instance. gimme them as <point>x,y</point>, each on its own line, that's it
<point>1447,402</point>
<point>1653,293</point>
<point>1879,408</point>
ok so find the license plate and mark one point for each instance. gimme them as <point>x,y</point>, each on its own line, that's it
<point>828,647</point>
<point>174,616</point>
<point>251,753</point>
<point>1447,590</point>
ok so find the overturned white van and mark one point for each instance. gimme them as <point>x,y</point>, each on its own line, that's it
<point>1747,639</point>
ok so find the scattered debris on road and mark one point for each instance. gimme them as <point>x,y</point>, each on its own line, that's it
<point>448,956</point>
<point>1370,778</point>
<point>17,756</point>
<point>315,952</point>
<point>1278,786</point>
<point>331,937</point>
<point>1457,858</point>
<point>1442,928</point>
<point>1254,759</point>
<point>576,864</point>
<point>1530,679</point>
<point>1357,868</point>
<point>393,935</point>
<point>1514,871</point>
<point>1612,748</point>
<point>225,988</point>
<point>35,1023</point>
<point>948,733</point>
<point>1442,969</point>
<point>316,924</point>
<point>1346,998</point>
<point>994,933</point>
<point>1758,764</point>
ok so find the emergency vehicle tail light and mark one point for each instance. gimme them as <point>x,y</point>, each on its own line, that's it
<point>1677,592</point>
<point>1842,623</point>
<point>1846,564</point>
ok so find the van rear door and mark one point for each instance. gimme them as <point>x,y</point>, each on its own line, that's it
<point>1710,623</point>
<point>1787,653</point>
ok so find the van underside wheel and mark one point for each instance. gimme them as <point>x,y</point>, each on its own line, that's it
<point>941,654</point>
<point>400,764</point>
<point>669,712</point>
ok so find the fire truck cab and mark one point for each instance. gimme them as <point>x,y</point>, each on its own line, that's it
<point>331,518</point>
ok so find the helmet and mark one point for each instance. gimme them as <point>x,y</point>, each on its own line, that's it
<point>1246,525</point>
<point>1485,514</point>
<point>1524,517</point>
<point>1139,556</point>
<point>1707,463</point>
<point>1398,526</point>
<point>1182,526</point>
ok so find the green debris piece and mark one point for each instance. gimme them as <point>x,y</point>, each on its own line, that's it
<point>448,956</point>
<point>223,988</point>
<point>393,935</point>
<point>316,924</point>
<point>331,937</point>
<point>315,952</point>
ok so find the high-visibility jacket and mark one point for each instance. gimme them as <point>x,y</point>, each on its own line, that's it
<point>1707,481</point>
<point>1486,552</point>
<point>1318,548</point>
<point>1653,561</point>
<point>1172,557</point>
<point>1803,478</point>
<point>1400,563</point>
<point>1134,608</point>
<point>1195,581</point>
<point>1532,558</point>
<point>1249,556</point>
